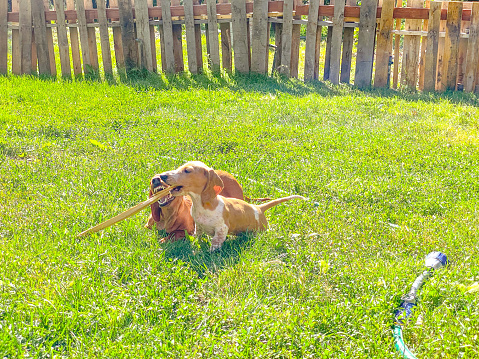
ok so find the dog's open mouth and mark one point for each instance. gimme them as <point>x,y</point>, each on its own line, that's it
<point>166,200</point>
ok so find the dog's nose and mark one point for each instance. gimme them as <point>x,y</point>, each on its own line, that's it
<point>155,182</point>
<point>164,177</point>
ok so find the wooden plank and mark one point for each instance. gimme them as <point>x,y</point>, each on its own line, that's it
<point>317,48</point>
<point>199,44</point>
<point>25,27</point>
<point>462,51</point>
<point>85,45</point>
<point>327,54</point>
<point>162,48</point>
<point>451,46</point>
<point>167,38</point>
<point>410,60</point>
<point>278,42</point>
<point>430,60</point>
<point>310,51</point>
<point>51,50</point>
<point>287,36</point>
<point>336,40</point>
<point>213,36</point>
<point>152,40</point>
<point>472,58</point>
<point>130,48</point>
<point>177,42</point>
<point>190,36</point>
<point>348,41</point>
<point>440,47</point>
<point>366,38</point>
<point>104,38</point>
<point>143,34</point>
<point>3,37</point>
<point>117,44</point>
<point>346,58</point>
<point>38,15</point>
<point>16,59</point>
<point>92,39</point>
<point>295,41</point>
<point>259,41</point>
<point>34,52</point>
<point>240,31</point>
<point>226,48</point>
<point>397,39</point>
<point>422,58</point>
<point>74,42</point>
<point>63,48</point>
<point>384,44</point>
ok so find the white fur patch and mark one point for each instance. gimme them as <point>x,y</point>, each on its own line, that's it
<point>210,222</point>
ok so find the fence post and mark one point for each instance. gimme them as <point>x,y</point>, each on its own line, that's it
<point>25,26</point>
<point>412,43</point>
<point>74,43</point>
<point>104,37</point>
<point>130,48</point>
<point>348,41</point>
<point>287,39</point>
<point>294,64</point>
<point>384,44</point>
<point>367,34</point>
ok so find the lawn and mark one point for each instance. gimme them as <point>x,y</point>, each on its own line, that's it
<point>390,177</point>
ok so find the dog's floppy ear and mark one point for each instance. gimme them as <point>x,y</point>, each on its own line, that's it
<point>214,185</point>
<point>155,209</point>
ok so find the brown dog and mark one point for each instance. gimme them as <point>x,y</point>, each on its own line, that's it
<point>173,214</point>
<point>213,213</point>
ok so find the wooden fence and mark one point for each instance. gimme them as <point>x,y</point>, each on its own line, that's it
<point>427,45</point>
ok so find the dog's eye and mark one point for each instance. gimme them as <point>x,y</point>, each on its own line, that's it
<point>187,170</point>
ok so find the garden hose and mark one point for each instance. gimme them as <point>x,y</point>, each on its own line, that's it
<point>434,261</point>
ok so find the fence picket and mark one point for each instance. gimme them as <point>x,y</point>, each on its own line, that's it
<point>213,38</point>
<point>440,49</point>
<point>130,48</point>
<point>310,50</point>
<point>43,53</point>
<point>226,48</point>
<point>88,4</point>
<point>240,31</point>
<point>384,44</point>
<point>190,36</point>
<point>199,45</point>
<point>85,46</point>
<point>25,27</point>
<point>259,46</point>
<point>294,63</point>
<point>397,40</point>
<point>336,40</point>
<point>143,34</point>
<point>348,41</point>
<point>366,37</point>
<point>63,48</point>
<point>472,59</point>
<point>410,59</point>
<point>51,50</point>
<point>430,61</point>
<point>178,42</point>
<point>152,42</point>
<point>117,44</point>
<point>317,46</point>
<point>74,42</point>
<point>167,38</point>
<point>104,37</point>
<point>3,37</point>
<point>287,36</point>
<point>451,46</point>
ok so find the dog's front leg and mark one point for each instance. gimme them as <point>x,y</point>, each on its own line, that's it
<point>219,237</point>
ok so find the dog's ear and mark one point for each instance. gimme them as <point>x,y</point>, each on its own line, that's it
<point>214,186</point>
<point>155,209</point>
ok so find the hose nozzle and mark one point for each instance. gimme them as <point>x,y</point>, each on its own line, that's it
<point>436,260</point>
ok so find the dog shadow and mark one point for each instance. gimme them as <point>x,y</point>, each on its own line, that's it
<point>196,252</point>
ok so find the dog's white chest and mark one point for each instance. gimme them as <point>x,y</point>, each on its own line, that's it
<point>208,220</point>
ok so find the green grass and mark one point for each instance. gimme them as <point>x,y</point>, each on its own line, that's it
<point>390,177</point>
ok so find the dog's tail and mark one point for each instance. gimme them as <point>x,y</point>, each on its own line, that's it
<point>266,206</point>
<point>247,199</point>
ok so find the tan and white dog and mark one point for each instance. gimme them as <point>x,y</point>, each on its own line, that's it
<point>214,214</point>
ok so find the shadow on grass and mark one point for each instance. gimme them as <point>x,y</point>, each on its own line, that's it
<point>197,254</point>
<point>279,84</point>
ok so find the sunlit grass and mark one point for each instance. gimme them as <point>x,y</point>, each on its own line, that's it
<point>389,177</point>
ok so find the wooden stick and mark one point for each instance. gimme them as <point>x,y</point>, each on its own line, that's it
<point>128,213</point>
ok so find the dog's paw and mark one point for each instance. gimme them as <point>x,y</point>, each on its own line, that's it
<point>214,247</point>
